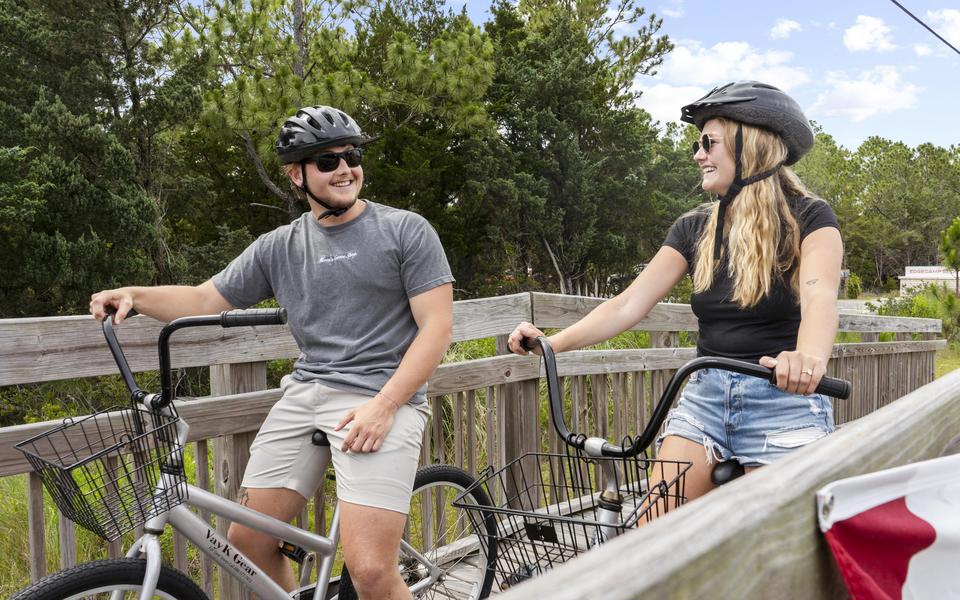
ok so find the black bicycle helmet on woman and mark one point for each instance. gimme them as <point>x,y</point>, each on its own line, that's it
<point>758,104</point>
<point>313,128</point>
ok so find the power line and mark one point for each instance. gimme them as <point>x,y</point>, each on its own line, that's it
<point>928,28</point>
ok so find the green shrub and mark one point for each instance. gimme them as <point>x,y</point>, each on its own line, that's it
<point>932,302</point>
<point>854,286</point>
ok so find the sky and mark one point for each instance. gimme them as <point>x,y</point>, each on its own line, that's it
<point>858,68</point>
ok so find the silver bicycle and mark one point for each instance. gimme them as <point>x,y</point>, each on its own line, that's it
<point>114,471</point>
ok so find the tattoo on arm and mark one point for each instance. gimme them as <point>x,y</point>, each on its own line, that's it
<point>812,281</point>
<point>243,497</point>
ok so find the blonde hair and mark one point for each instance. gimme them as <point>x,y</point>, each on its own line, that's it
<point>763,237</point>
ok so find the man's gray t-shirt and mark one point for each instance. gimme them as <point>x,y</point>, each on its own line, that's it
<point>346,289</point>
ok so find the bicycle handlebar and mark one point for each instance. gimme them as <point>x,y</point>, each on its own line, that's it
<point>256,316</point>
<point>837,388</point>
<point>232,318</point>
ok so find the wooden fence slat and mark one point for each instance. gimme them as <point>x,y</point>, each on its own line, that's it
<point>472,432</point>
<point>35,527</point>
<point>203,482</point>
<point>67,531</point>
<point>458,426</point>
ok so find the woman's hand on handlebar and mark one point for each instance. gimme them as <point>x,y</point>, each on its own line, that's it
<point>515,339</point>
<point>797,372</point>
<point>120,299</point>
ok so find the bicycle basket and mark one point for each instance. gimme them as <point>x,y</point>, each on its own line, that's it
<point>546,507</point>
<point>103,470</point>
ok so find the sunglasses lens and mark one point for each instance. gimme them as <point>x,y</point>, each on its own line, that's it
<point>705,142</point>
<point>327,162</point>
<point>353,157</point>
<point>331,160</point>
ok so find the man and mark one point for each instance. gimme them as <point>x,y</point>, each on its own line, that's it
<point>369,298</point>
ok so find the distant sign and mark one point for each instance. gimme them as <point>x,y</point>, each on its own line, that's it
<point>930,270</point>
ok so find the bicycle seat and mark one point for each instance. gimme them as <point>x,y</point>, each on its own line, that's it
<point>319,438</point>
<point>726,471</point>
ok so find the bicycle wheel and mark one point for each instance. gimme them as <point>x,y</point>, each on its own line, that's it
<point>97,580</point>
<point>443,534</point>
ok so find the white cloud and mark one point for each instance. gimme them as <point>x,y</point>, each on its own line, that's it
<point>946,22</point>
<point>783,28</point>
<point>870,33</point>
<point>876,91</point>
<point>674,8</point>
<point>663,101</point>
<point>693,65</point>
<point>922,50</point>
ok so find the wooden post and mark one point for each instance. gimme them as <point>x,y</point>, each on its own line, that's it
<point>230,453</point>
<point>68,541</point>
<point>203,481</point>
<point>38,552</point>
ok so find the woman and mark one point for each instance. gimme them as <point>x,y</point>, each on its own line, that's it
<point>765,263</point>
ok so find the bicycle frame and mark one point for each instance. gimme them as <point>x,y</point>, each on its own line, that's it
<point>235,563</point>
<point>203,536</point>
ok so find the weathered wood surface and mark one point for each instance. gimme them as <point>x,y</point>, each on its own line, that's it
<point>208,418</point>
<point>758,537</point>
<point>239,413</point>
<point>35,350</point>
<point>558,310</point>
<point>51,348</point>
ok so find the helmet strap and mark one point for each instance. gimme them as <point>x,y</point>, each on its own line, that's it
<point>331,211</point>
<point>735,188</point>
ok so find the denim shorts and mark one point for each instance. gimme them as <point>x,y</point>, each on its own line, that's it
<point>746,418</point>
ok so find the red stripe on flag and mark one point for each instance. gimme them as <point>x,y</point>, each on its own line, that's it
<point>873,549</point>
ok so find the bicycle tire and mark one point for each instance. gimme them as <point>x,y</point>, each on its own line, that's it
<point>97,579</point>
<point>457,480</point>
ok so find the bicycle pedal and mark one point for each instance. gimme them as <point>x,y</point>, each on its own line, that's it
<point>293,552</point>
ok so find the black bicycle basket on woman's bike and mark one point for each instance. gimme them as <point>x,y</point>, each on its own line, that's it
<point>102,470</point>
<point>548,508</point>
<point>545,506</point>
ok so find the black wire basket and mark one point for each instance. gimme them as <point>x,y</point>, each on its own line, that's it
<point>545,507</point>
<point>103,470</point>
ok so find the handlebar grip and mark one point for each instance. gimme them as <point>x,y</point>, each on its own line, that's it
<point>112,310</point>
<point>837,388</point>
<point>528,344</point>
<point>256,316</point>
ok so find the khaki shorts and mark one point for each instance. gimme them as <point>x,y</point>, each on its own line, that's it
<point>283,455</point>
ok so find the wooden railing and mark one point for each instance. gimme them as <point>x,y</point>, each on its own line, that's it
<point>485,411</point>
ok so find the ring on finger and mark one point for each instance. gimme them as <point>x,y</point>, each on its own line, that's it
<point>807,372</point>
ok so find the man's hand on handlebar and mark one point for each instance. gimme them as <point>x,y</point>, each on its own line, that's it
<point>797,372</point>
<point>515,339</point>
<point>120,299</point>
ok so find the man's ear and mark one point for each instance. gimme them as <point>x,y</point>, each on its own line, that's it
<point>296,176</point>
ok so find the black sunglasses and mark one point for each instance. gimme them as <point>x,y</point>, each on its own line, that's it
<point>704,141</point>
<point>329,161</point>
